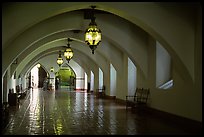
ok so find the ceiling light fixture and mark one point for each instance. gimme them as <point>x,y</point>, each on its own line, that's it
<point>68,52</point>
<point>59,59</point>
<point>92,33</point>
<point>51,69</point>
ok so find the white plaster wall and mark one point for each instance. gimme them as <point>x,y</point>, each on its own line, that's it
<point>122,80</point>
<point>113,81</point>
<point>80,84</point>
<point>96,79</point>
<point>181,100</point>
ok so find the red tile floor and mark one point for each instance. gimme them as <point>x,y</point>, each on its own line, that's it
<point>79,113</point>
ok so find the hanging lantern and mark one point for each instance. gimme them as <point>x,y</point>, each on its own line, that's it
<point>51,69</point>
<point>68,52</point>
<point>93,34</point>
<point>59,59</point>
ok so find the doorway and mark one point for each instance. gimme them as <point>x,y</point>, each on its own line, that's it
<point>65,78</point>
<point>37,77</point>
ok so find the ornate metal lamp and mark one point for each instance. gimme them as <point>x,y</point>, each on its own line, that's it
<point>93,34</point>
<point>68,52</point>
<point>59,59</point>
<point>51,69</point>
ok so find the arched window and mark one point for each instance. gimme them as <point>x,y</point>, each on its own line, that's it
<point>132,77</point>
<point>113,80</point>
<point>164,78</point>
<point>100,78</point>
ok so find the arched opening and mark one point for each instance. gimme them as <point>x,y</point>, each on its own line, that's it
<point>100,78</point>
<point>37,77</point>
<point>132,77</point>
<point>34,77</point>
<point>113,80</point>
<point>164,79</point>
<point>42,74</point>
<point>92,81</point>
<point>85,81</point>
<point>65,78</point>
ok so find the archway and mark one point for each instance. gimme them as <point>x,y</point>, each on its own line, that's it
<point>65,78</point>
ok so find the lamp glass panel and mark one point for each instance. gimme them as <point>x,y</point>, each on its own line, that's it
<point>59,61</point>
<point>93,35</point>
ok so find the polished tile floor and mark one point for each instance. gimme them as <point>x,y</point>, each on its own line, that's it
<point>79,113</point>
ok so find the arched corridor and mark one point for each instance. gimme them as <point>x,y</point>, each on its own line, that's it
<point>144,45</point>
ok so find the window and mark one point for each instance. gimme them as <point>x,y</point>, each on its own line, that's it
<point>163,68</point>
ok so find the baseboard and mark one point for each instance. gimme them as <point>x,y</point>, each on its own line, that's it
<point>110,97</point>
<point>193,126</point>
<point>120,101</point>
<point>188,124</point>
<point>79,89</point>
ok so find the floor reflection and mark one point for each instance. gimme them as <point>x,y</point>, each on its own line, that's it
<point>75,113</point>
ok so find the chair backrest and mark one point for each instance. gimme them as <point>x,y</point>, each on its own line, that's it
<point>103,87</point>
<point>137,93</point>
<point>145,95</point>
<point>141,95</point>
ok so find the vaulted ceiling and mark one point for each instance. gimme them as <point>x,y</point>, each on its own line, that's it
<point>32,30</point>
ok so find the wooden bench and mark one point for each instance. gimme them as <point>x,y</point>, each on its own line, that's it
<point>139,99</point>
<point>20,92</point>
<point>101,92</point>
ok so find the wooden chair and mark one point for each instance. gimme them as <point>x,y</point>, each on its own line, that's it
<point>139,99</point>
